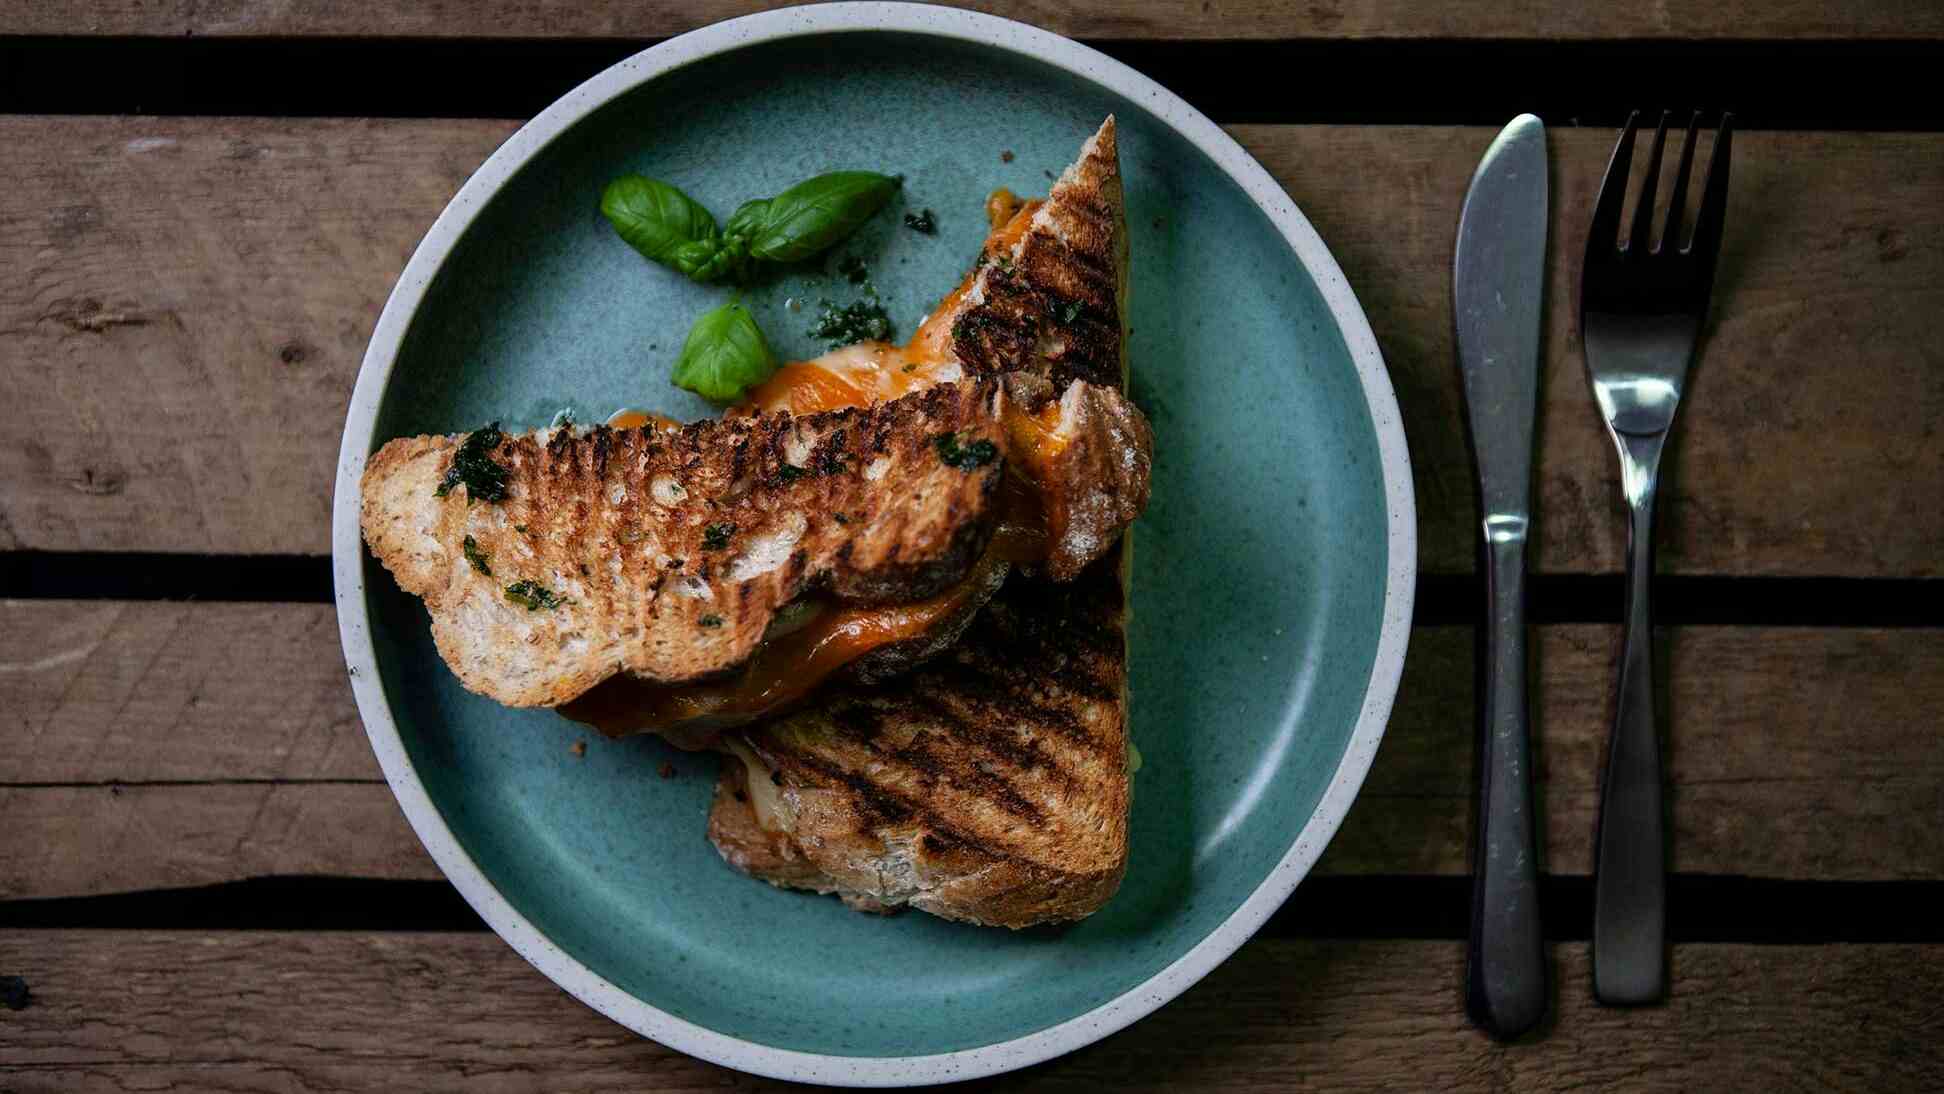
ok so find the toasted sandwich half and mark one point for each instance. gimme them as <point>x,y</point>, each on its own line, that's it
<point>553,561</point>
<point>990,785</point>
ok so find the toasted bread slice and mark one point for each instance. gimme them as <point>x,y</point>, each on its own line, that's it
<point>668,554</point>
<point>989,785</point>
<point>1050,301</point>
<point>992,784</point>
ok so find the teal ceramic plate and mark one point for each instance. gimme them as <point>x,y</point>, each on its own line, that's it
<point>1273,571</point>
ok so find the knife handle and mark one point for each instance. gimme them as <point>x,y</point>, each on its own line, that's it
<point>1506,988</point>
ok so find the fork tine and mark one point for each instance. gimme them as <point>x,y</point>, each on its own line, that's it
<point>1643,218</point>
<point>1613,192</point>
<point>1714,197</point>
<point>1677,199</point>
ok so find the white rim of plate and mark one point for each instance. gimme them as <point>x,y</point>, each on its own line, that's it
<point>582,982</point>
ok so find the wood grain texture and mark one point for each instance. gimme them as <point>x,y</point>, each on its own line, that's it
<point>1330,19</point>
<point>113,691</point>
<point>157,744</point>
<point>266,1011</point>
<point>184,303</point>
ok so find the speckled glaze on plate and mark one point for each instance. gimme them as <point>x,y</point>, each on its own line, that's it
<point>1273,571</point>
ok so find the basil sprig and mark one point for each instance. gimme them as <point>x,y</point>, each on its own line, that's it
<point>724,354</point>
<point>669,227</point>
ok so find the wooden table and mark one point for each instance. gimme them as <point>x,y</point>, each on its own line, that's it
<point>206,885</point>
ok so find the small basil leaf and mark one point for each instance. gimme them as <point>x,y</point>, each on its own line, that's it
<point>724,354</point>
<point>812,215</point>
<point>658,220</point>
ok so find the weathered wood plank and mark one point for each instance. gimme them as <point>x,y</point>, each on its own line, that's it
<point>114,691</point>
<point>103,839</point>
<point>169,744</point>
<point>266,1011</point>
<point>1792,752</point>
<point>183,304</point>
<point>1520,19</point>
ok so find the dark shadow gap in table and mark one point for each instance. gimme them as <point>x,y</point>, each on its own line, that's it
<point>1873,85</point>
<point>1701,908</point>
<point>1442,599</point>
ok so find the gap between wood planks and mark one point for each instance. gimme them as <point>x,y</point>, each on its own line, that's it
<point>1701,908</point>
<point>1131,20</point>
<point>254,1010</point>
<point>1442,599</point>
<point>1857,84</point>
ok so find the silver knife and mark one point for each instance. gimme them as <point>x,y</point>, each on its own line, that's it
<point>1498,278</point>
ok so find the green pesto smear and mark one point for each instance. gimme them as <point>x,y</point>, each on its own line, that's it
<point>534,596</point>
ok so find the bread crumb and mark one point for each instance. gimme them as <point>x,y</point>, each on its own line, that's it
<point>667,770</point>
<point>578,748</point>
<point>1006,156</point>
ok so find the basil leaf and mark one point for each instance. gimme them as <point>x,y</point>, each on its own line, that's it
<point>813,214</point>
<point>724,354</point>
<point>660,221</point>
<point>747,220</point>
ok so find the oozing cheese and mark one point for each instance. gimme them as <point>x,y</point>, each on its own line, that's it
<point>772,812</point>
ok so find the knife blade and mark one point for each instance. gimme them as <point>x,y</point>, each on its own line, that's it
<point>1498,280</point>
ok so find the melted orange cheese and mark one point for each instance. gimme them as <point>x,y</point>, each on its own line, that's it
<point>641,419</point>
<point>788,667</point>
<point>874,372</point>
<point>783,670</point>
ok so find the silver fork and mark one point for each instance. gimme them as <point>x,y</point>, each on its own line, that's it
<point>1641,312</point>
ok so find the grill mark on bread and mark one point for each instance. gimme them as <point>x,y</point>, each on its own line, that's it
<point>1039,655</point>
<point>1051,621</point>
<point>1003,697</point>
<point>876,805</point>
<point>1002,744</point>
<point>603,438</point>
<point>966,773</point>
<point>1015,746</point>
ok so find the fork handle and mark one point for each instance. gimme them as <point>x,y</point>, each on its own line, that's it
<point>1505,981</point>
<point>1630,872</point>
